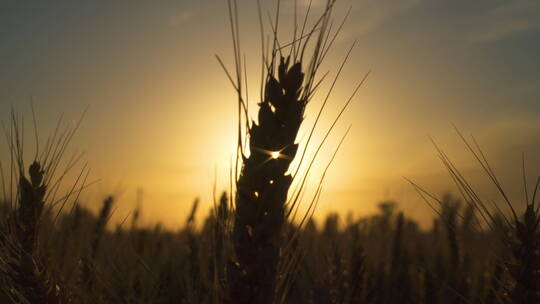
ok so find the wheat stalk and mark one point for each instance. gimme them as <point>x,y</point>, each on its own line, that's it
<point>523,241</point>
<point>262,185</point>
<point>28,276</point>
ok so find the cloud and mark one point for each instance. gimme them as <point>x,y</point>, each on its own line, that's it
<point>505,20</point>
<point>305,3</point>
<point>367,15</point>
<point>370,14</point>
<point>476,22</point>
<point>499,31</point>
<point>180,17</point>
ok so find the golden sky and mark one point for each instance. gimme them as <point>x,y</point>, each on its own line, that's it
<point>162,114</point>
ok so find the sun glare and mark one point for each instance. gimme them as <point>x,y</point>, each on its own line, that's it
<point>275,154</point>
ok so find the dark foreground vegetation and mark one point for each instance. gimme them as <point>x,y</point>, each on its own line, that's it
<point>384,258</point>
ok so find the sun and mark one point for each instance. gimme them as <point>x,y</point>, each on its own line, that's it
<point>275,154</point>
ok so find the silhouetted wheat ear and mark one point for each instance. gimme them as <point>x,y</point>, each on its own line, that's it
<point>87,263</point>
<point>31,202</point>
<point>263,186</point>
<point>526,250</point>
<point>29,277</point>
<point>524,241</point>
<point>220,238</point>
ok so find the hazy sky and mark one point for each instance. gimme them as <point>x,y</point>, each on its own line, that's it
<point>162,114</point>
